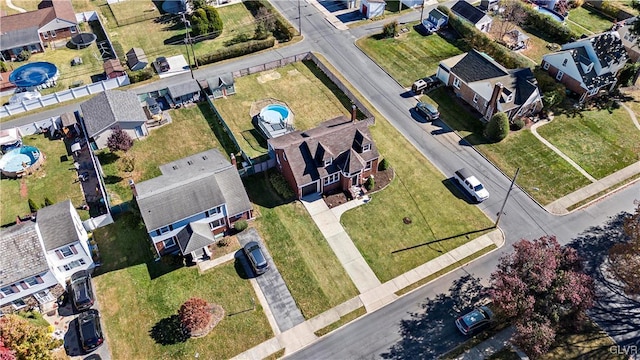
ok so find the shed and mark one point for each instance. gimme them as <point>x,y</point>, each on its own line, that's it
<point>372,8</point>
<point>435,20</point>
<point>185,92</point>
<point>113,68</point>
<point>136,59</point>
<point>222,85</point>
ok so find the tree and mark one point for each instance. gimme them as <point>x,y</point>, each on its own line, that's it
<point>390,30</point>
<point>215,22</point>
<point>541,286</point>
<point>498,127</point>
<point>27,341</point>
<point>512,17</point>
<point>199,22</point>
<point>5,352</point>
<point>265,23</point>
<point>119,140</point>
<point>624,258</point>
<point>194,315</point>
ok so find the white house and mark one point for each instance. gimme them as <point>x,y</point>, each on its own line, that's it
<point>473,15</point>
<point>372,8</point>
<point>38,257</point>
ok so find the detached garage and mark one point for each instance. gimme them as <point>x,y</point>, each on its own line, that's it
<point>372,8</point>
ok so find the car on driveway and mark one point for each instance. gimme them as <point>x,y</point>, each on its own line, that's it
<point>427,110</point>
<point>89,330</point>
<point>82,291</point>
<point>256,257</point>
<point>475,320</point>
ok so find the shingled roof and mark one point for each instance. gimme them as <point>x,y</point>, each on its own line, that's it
<point>468,11</point>
<point>106,109</point>
<point>56,225</point>
<point>476,66</point>
<point>195,236</point>
<point>22,254</point>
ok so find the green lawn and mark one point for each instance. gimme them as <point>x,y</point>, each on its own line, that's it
<point>190,125</point>
<point>310,95</point>
<point>600,142</point>
<point>56,180</point>
<point>588,19</point>
<point>131,10</point>
<point>409,57</point>
<point>543,174</point>
<point>137,295</point>
<point>311,270</point>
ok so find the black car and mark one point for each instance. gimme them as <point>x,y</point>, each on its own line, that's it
<point>89,330</point>
<point>162,64</point>
<point>256,257</point>
<point>82,291</point>
<point>427,110</point>
<point>475,320</point>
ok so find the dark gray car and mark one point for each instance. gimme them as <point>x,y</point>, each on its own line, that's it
<point>427,110</point>
<point>256,257</point>
<point>82,292</point>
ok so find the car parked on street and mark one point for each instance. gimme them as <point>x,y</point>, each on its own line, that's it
<point>471,185</point>
<point>82,290</point>
<point>475,320</point>
<point>90,330</point>
<point>256,257</point>
<point>430,112</point>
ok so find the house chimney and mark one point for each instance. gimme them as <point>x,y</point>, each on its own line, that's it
<point>132,186</point>
<point>233,159</point>
<point>493,102</point>
<point>353,112</point>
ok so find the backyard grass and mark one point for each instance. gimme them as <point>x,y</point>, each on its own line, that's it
<point>409,57</point>
<point>189,133</point>
<point>589,19</point>
<point>313,274</point>
<point>139,299</point>
<point>30,5</point>
<point>126,10</point>
<point>57,169</point>
<point>601,142</point>
<point>308,93</point>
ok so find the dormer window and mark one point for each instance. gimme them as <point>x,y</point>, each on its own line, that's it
<point>564,62</point>
<point>366,147</point>
<point>327,162</point>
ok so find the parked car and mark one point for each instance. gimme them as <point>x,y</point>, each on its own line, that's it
<point>82,291</point>
<point>162,64</point>
<point>475,320</point>
<point>256,257</point>
<point>90,330</point>
<point>422,85</point>
<point>471,185</point>
<point>427,110</point>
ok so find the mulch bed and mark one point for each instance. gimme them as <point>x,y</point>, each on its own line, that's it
<point>382,179</point>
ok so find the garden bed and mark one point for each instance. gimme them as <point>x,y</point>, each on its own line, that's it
<point>382,179</point>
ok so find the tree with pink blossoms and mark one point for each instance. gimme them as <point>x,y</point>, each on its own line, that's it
<point>541,286</point>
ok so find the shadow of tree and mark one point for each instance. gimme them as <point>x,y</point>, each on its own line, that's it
<point>112,179</point>
<point>432,332</point>
<point>107,157</point>
<point>168,331</point>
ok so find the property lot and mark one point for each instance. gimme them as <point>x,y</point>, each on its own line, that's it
<point>130,279</point>
<point>57,169</point>
<point>588,21</point>
<point>307,92</point>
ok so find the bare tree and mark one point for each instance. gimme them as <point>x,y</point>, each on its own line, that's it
<point>512,15</point>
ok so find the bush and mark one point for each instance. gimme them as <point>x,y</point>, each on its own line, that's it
<point>370,183</point>
<point>194,315</point>
<point>498,127</point>
<point>236,51</point>
<point>3,66</point>
<point>47,201</point>
<point>390,30</point>
<point>24,55</point>
<point>241,225</point>
<point>517,124</point>
<point>32,206</point>
<point>280,185</point>
<point>140,75</point>
<point>282,31</point>
<point>215,22</point>
<point>384,165</point>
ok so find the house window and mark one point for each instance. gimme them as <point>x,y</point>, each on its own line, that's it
<point>66,251</point>
<point>72,265</point>
<point>559,75</point>
<point>73,29</point>
<point>169,242</point>
<point>564,62</point>
<point>545,66</point>
<point>7,290</point>
<point>45,35</point>
<point>216,210</point>
<point>44,296</point>
<point>52,33</point>
<point>593,91</point>
<point>456,83</point>
<point>328,162</point>
<point>333,178</point>
<point>32,281</point>
<point>366,147</point>
<point>165,229</point>
<point>19,304</point>
<point>369,164</point>
<point>475,98</point>
<point>216,224</point>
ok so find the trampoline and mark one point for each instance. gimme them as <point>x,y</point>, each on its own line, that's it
<point>83,40</point>
<point>34,75</point>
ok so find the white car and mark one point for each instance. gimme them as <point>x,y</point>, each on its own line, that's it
<point>471,185</point>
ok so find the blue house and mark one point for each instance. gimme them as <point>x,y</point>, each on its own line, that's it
<point>435,20</point>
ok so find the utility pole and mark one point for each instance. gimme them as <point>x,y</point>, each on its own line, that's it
<point>187,40</point>
<point>299,18</point>
<point>513,182</point>
<point>422,12</point>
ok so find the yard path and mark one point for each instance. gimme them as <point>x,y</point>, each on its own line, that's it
<point>11,6</point>
<point>534,131</point>
<point>633,116</point>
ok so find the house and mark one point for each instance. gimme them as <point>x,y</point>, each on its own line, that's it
<point>372,8</point>
<point>413,3</point>
<point>629,40</point>
<point>111,109</point>
<point>489,87</point>
<point>336,155</point>
<point>185,92</point>
<point>38,257</point>
<point>55,20</point>
<point>486,5</point>
<point>113,68</point>
<point>136,59</point>
<point>221,86</point>
<point>435,20</point>
<point>193,203</point>
<point>472,14</point>
<point>588,65</point>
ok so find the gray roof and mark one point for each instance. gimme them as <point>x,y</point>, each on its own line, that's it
<point>56,225</point>
<point>22,254</point>
<point>195,236</point>
<point>437,14</point>
<point>184,88</point>
<point>19,37</point>
<point>106,109</point>
<point>191,189</point>
<point>468,11</point>
<point>136,55</point>
<point>220,80</point>
<point>476,66</point>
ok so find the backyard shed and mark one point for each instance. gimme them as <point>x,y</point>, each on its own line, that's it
<point>184,92</point>
<point>222,85</point>
<point>136,59</point>
<point>372,8</point>
<point>113,68</point>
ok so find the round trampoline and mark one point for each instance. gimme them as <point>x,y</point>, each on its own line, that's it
<point>33,75</point>
<point>83,40</point>
<point>19,161</point>
<point>275,114</point>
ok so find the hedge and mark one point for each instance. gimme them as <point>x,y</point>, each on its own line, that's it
<point>544,24</point>
<point>236,50</point>
<point>283,32</point>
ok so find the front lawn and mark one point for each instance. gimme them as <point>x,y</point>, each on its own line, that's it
<point>313,274</point>
<point>56,180</point>
<point>592,20</point>
<point>601,142</point>
<point>409,57</point>
<point>139,298</point>
<point>189,133</point>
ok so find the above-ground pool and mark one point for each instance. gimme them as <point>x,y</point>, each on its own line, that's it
<point>19,161</point>
<point>275,114</point>
<point>556,16</point>
<point>34,74</point>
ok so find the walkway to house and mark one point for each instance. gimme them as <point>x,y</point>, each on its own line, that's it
<point>11,6</point>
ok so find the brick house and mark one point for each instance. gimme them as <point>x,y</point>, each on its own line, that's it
<point>55,20</point>
<point>336,155</point>
<point>588,65</point>
<point>489,87</point>
<point>193,203</point>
